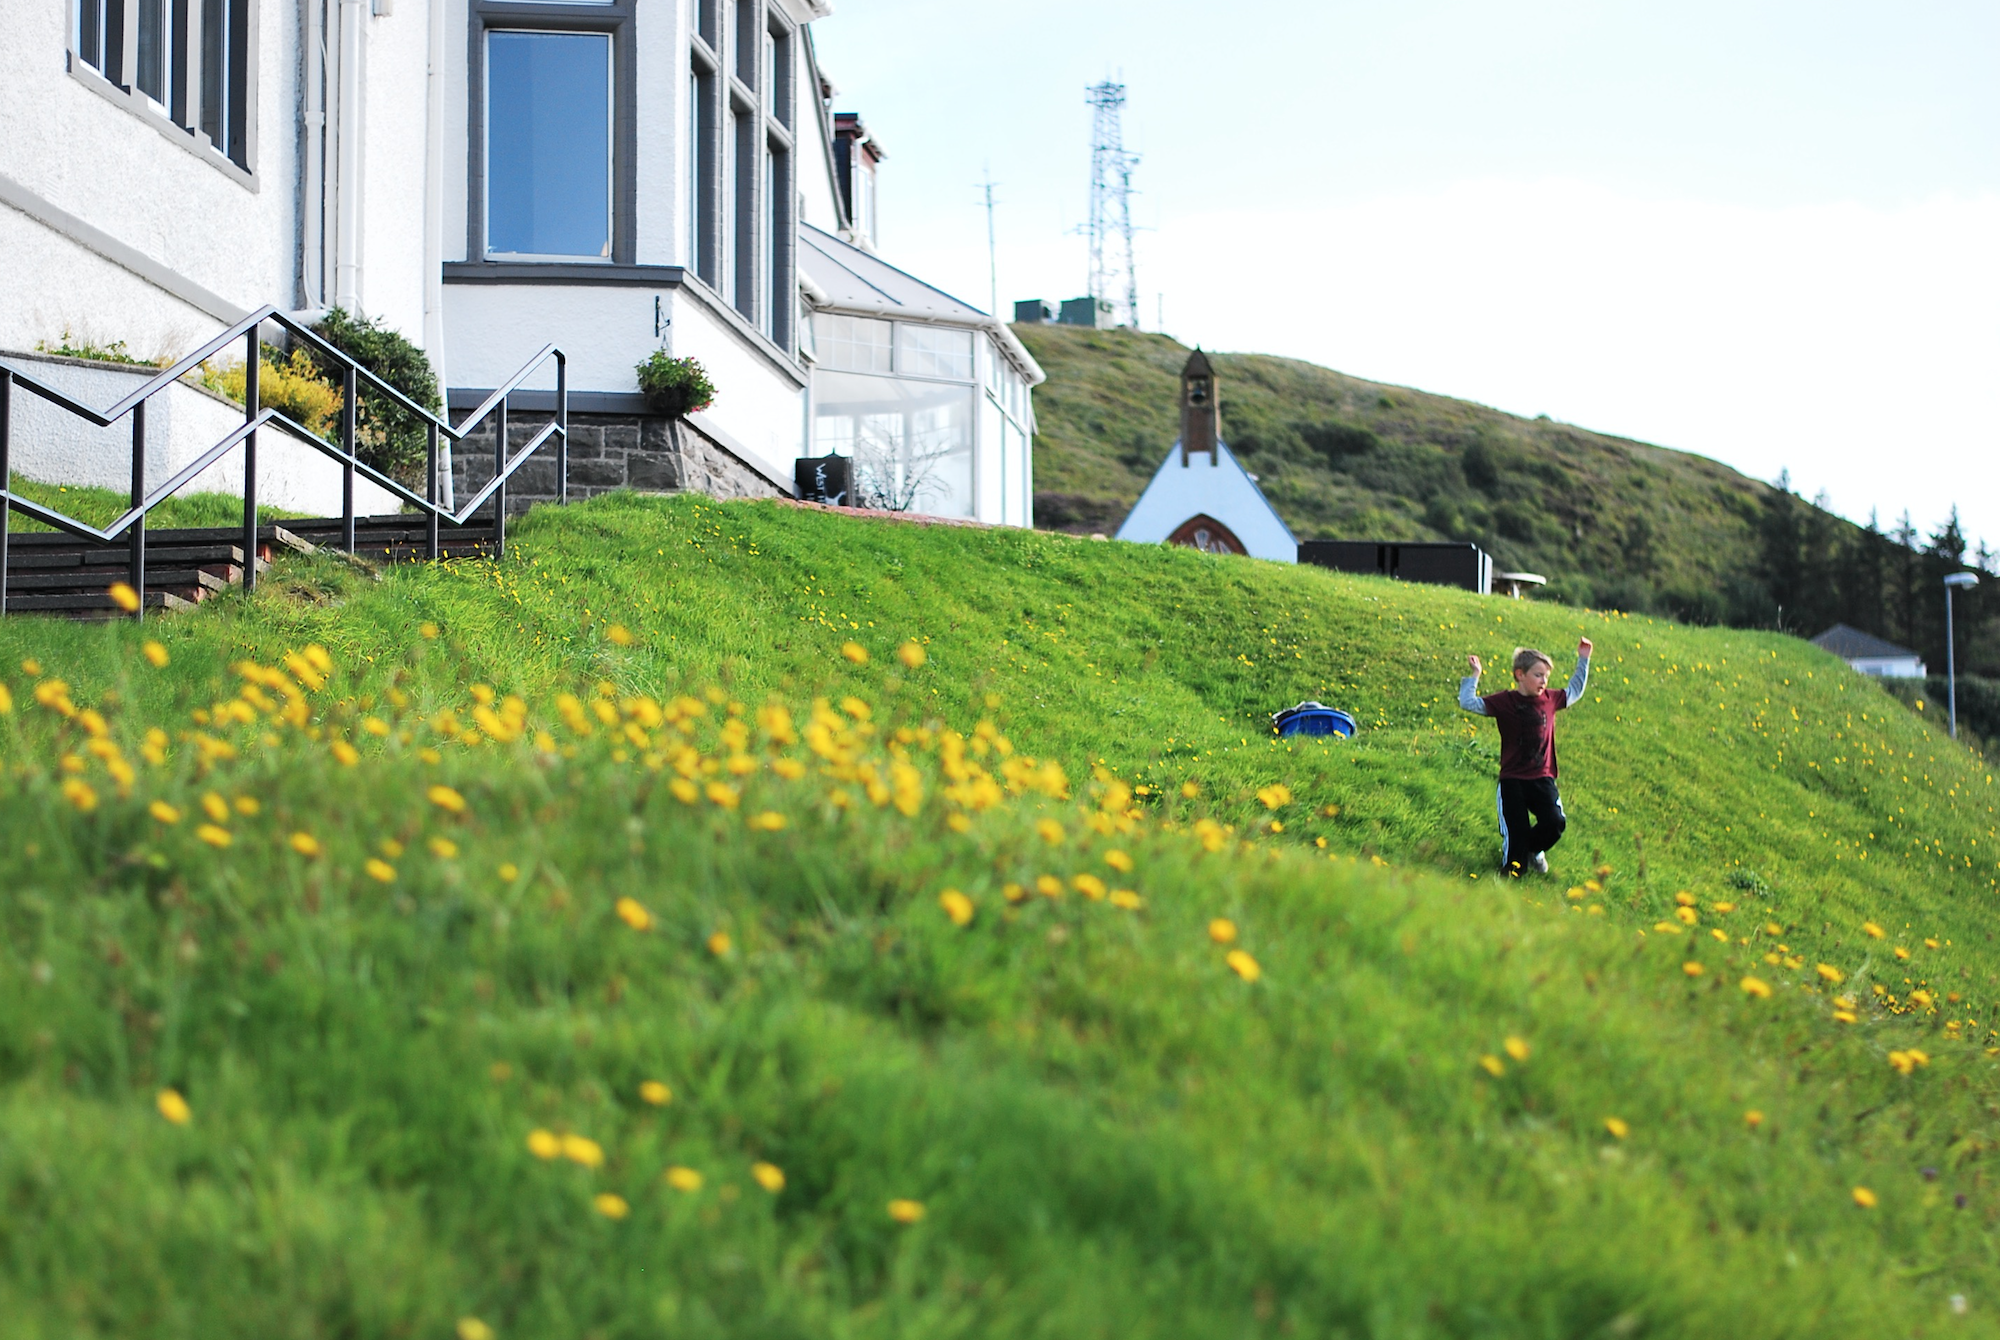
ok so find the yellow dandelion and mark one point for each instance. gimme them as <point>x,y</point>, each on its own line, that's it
<point>1756,988</point>
<point>81,794</point>
<point>1275,796</point>
<point>1684,898</point>
<point>379,869</point>
<point>956,906</point>
<point>427,630</point>
<point>1722,909</point>
<point>634,914</point>
<point>770,821</point>
<point>544,1145</point>
<point>214,836</point>
<point>1516,1048</point>
<point>912,655</point>
<point>1687,915</point>
<point>1127,899</point>
<point>446,799</point>
<point>164,812</point>
<point>1189,790</point>
<point>1243,965</point>
<point>1902,954</point>
<point>123,596</point>
<point>391,848</point>
<point>1222,930</point>
<point>579,1149</point>
<point>723,794</point>
<point>906,1211</point>
<point>1930,944</point>
<point>1753,1118</point>
<point>684,1180</point>
<point>1845,1017</point>
<point>854,652</point>
<point>472,1328</point>
<point>1013,892</point>
<point>1048,886</point>
<point>1617,1127</point>
<point>718,943</point>
<point>1693,969</point>
<point>1050,830</point>
<point>346,753</point>
<point>1493,1066</point>
<point>610,1204</point>
<point>619,634</point>
<point>248,805</point>
<point>1829,973</point>
<point>305,844</point>
<point>1090,886</point>
<point>508,871</point>
<point>443,848</point>
<point>769,1175</point>
<point>1871,930</point>
<point>656,1093</point>
<point>1119,861</point>
<point>1864,1198</point>
<point>174,1107</point>
<point>685,791</point>
<point>1773,928</point>
<point>156,654</point>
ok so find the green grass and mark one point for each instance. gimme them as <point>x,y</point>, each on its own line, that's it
<point>100,507</point>
<point>1110,1131</point>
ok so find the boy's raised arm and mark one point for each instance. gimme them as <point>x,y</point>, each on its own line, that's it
<point>1468,690</point>
<point>1581,679</point>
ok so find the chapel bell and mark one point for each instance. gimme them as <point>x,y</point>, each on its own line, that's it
<point>1201,423</point>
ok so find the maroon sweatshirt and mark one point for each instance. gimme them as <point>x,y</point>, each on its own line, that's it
<point>1527,724</point>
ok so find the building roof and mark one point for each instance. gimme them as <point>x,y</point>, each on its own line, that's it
<point>843,278</point>
<point>1851,644</point>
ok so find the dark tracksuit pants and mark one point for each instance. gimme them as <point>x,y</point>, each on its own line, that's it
<point>1520,799</point>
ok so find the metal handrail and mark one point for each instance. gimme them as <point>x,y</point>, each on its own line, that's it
<point>133,522</point>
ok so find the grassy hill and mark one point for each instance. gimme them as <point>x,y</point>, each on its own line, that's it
<point>1614,523</point>
<point>338,1005</point>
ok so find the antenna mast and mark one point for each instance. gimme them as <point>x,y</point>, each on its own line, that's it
<point>1111,201</point>
<point>992,253</point>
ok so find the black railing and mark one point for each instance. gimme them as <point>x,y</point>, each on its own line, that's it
<point>255,416</point>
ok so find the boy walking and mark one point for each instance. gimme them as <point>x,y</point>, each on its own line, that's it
<point>1526,716</point>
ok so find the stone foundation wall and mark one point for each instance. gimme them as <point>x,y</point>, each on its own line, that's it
<point>606,452</point>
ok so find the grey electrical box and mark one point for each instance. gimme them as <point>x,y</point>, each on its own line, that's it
<point>1033,312</point>
<point>1092,312</point>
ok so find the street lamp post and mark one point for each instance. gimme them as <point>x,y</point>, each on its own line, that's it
<point>1956,579</point>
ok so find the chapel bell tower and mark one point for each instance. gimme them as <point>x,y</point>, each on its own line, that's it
<point>1201,423</point>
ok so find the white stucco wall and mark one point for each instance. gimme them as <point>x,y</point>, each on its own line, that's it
<point>605,330</point>
<point>394,163</point>
<point>51,445</point>
<point>755,404</point>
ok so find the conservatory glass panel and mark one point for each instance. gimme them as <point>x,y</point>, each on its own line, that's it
<point>911,441</point>
<point>933,351</point>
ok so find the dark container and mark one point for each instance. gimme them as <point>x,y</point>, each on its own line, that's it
<point>824,479</point>
<point>1442,564</point>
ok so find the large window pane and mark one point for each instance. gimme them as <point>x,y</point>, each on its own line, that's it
<point>911,441</point>
<point>548,144</point>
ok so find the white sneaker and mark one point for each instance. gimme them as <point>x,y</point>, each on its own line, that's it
<point>1542,862</point>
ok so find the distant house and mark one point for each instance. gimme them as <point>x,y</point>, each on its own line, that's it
<point>1870,654</point>
<point>1201,496</point>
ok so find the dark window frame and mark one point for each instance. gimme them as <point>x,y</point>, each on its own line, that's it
<point>209,105</point>
<point>746,87</point>
<point>484,16</point>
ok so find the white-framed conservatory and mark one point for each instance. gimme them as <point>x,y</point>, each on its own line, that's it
<point>930,397</point>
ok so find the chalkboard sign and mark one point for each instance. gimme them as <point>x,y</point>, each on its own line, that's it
<point>824,479</point>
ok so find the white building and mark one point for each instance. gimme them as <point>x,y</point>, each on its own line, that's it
<point>1871,655</point>
<point>484,176</point>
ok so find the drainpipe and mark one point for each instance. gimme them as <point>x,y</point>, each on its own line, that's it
<point>312,178</point>
<point>347,185</point>
<point>434,233</point>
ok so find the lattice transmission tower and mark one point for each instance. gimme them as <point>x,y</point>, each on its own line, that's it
<point>1110,226</point>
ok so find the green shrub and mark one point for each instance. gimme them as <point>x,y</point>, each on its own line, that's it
<point>675,387</point>
<point>388,437</point>
<point>292,386</point>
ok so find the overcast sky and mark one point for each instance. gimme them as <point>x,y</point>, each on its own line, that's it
<point>1766,232</point>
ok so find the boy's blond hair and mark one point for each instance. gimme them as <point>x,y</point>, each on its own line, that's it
<point>1526,658</point>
